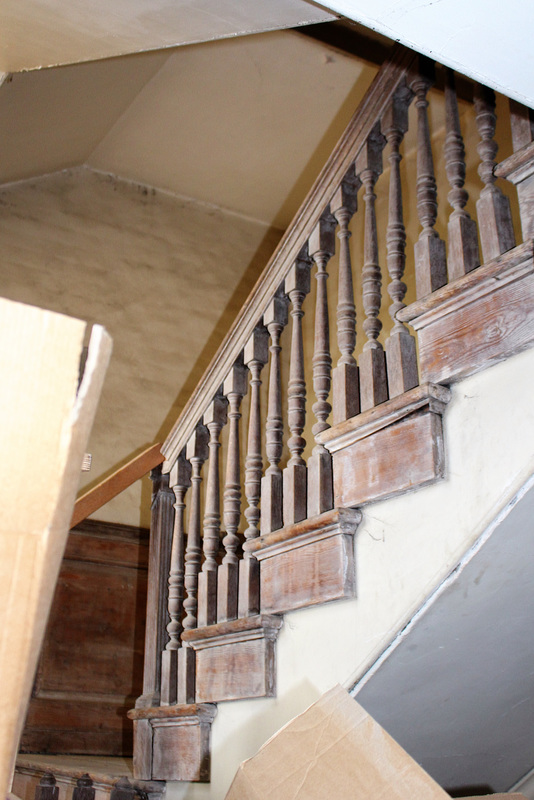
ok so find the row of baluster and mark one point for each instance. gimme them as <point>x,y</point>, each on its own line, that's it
<point>202,589</point>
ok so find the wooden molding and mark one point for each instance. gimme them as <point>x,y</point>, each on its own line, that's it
<point>392,449</point>
<point>477,320</point>
<point>307,218</point>
<point>307,563</point>
<point>519,170</point>
<point>173,742</point>
<point>235,660</point>
<point>116,483</point>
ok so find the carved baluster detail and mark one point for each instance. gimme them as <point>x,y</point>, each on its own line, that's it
<point>234,388</point>
<point>430,260</point>
<point>196,453</point>
<point>275,319</point>
<point>462,230</point>
<point>493,207</point>
<point>84,789</point>
<point>256,355</point>
<point>321,247</point>
<point>180,480</point>
<point>47,788</point>
<point>373,383</point>
<point>297,286</point>
<point>345,378</point>
<point>214,419</point>
<point>400,346</point>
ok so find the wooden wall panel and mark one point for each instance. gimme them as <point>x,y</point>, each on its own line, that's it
<point>90,669</point>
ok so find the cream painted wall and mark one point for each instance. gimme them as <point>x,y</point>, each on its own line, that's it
<point>405,548</point>
<point>165,277</point>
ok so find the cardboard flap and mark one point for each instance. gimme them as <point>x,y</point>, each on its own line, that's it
<point>334,749</point>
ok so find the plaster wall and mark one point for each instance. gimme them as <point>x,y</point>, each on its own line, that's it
<point>165,276</point>
<point>405,548</point>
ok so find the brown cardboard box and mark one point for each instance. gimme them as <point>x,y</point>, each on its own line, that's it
<point>334,750</point>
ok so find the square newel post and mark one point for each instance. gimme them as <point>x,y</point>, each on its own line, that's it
<point>519,167</point>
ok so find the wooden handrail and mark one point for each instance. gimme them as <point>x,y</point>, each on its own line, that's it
<point>370,109</point>
<point>116,483</point>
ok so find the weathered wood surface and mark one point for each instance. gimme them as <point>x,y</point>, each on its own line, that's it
<point>90,669</point>
<point>45,419</point>
<point>121,479</point>
<point>369,452</point>
<point>519,169</point>
<point>337,166</point>
<point>308,563</point>
<point>235,659</point>
<point>478,320</point>
<point>179,738</point>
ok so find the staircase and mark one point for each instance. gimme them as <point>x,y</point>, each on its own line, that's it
<point>215,609</point>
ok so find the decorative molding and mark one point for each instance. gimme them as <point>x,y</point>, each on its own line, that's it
<point>236,659</point>
<point>308,563</point>
<point>477,320</point>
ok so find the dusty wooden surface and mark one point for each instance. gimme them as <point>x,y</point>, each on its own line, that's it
<point>90,669</point>
<point>45,424</point>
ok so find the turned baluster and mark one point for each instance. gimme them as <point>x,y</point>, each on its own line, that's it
<point>493,207</point>
<point>321,247</point>
<point>180,479</point>
<point>345,378</point>
<point>462,230</point>
<point>401,356</point>
<point>161,526</point>
<point>234,388</point>
<point>297,286</point>
<point>430,260</point>
<point>214,419</point>
<point>196,453</point>
<point>256,355</point>
<point>373,383</point>
<point>84,789</point>
<point>47,788</point>
<point>275,319</point>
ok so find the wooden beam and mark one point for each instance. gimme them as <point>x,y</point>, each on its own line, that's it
<point>116,483</point>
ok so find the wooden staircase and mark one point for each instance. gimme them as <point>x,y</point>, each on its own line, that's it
<point>213,614</point>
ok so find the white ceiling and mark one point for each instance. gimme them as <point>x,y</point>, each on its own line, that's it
<point>43,33</point>
<point>243,123</point>
<point>490,42</point>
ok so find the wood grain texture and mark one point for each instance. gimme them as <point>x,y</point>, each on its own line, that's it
<point>308,563</point>
<point>481,321</point>
<point>519,169</point>
<point>121,479</point>
<point>91,664</point>
<point>235,660</point>
<point>379,465</point>
<point>359,128</point>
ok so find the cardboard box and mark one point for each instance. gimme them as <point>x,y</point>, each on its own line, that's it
<point>335,750</point>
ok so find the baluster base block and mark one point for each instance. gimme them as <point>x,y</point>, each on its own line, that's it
<point>186,675</point>
<point>373,381</point>
<point>480,319</point>
<point>295,483</point>
<point>207,598</point>
<point>345,392</point>
<point>169,677</point>
<point>495,224</point>
<point>392,449</point>
<point>236,659</point>
<point>271,502</point>
<point>249,587</point>
<point>430,264</point>
<point>227,597</point>
<point>401,362</point>
<point>308,563</point>
<point>463,247</point>
<point>178,740</point>
<point>320,494</point>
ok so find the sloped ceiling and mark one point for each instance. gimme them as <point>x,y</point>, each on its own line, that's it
<point>245,124</point>
<point>43,33</point>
